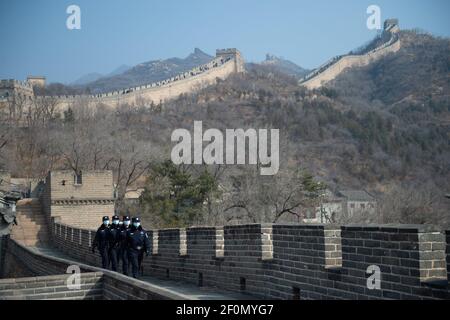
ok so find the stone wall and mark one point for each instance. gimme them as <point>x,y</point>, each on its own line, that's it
<point>156,93</point>
<point>52,287</point>
<point>76,242</point>
<point>3,242</point>
<point>81,205</point>
<point>96,185</point>
<point>193,80</point>
<point>293,261</point>
<point>32,262</point>
<point>23,261</point>
<point>93,286</point>
<point>131,289</point>
<point>83,214</point>
<point>447,233</point>
<point>349,61</point>
<point>10,88</point>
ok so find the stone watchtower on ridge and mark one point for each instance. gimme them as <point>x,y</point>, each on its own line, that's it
<point>11,89</point>
<point>232,53</point>
<point>391,25</point>
<point>78,200</point>
<point>19,91</point>
<point>36,81</point>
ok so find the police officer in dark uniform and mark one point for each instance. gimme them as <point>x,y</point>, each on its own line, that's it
<point>114,243</point>
<point>101,241</point>
<point>123,243</point>
<point>137,243</point>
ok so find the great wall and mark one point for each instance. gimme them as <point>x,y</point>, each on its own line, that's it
<point>55,228</point>
<point>335,66</point>
<point>258,261</point>
<point>226,62</point>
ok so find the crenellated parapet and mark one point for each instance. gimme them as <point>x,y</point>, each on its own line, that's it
<point>47,278</point>
<point>10,88</point>
<point>222,66</point>
<point>336,65</point>
<point>12,83</point>
<point>226,62</point>
<point>275,261</point>
<point>234,55</point>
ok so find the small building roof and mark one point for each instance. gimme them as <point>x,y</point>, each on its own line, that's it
<point>356,195</point>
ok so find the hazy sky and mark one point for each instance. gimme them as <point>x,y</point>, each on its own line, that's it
<point>34,38</point>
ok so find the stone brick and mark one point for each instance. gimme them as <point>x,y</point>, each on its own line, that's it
<point>307,266</point>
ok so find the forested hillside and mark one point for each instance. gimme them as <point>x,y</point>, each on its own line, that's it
<point>384,128</point>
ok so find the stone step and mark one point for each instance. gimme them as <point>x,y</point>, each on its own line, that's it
<point>29,233</point>
<point>34,242</point>
<point>29,223</point>
<point>28,220</point>
<point>32,227</point>
<point>30,212</point>
<point>37,210</point>
<point>23,209</point>
<point>36,205</point>
<point>35,239</point>
<point>30,216</point>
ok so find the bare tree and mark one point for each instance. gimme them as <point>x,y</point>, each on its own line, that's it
<point>130,162</point>
<point>17,106</point>
<point>48,106</point>
<point>271,199</point>
<point>421,204</point>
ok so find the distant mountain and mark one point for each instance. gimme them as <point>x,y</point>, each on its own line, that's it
<point>94,76</point>
<point>86,79</point>
<point>147,72</point>
<point>284,66</point>
<point>417,75</point>
<point>123,68</point>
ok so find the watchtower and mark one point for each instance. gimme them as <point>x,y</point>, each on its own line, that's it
<point>391,25</point>
<point>36,81</point>
<point>78,199</point>
<point>232,53</point>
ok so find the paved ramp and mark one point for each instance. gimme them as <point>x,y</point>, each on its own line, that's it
<point>180,289</point>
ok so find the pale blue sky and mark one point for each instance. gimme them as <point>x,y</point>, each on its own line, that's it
<point>35,40</point>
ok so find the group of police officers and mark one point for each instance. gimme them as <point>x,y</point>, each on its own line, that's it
<point>124,240</point>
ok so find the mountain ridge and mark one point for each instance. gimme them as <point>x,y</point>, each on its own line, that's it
<point>148,72</point>
<point>161,69</point>
<point>94,76</point>
<point>284,66</point>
